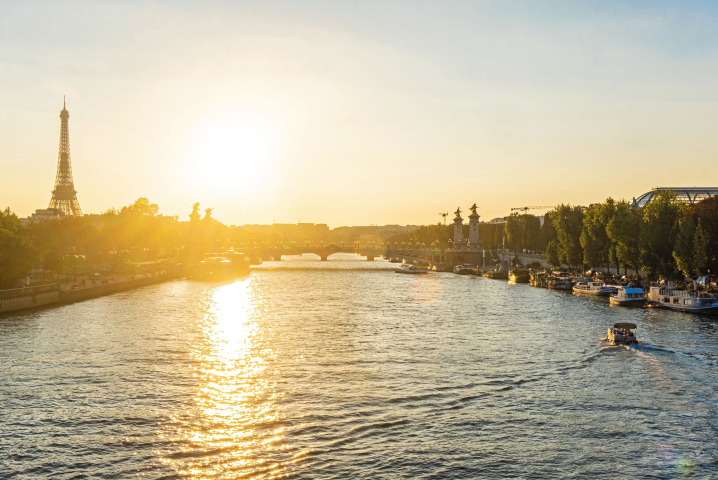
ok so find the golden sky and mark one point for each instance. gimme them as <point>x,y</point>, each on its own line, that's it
<point>351,113</point>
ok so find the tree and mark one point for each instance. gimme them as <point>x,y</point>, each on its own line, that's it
<point>690,247</point>
<point>523,231</point>
<point>568,222</point>
<point>514,229</point>
<point>548,231</point>
<point>594,237</point>
<point>17,254</point>
<point>624,230</point>
<point>700,243</point>
<point>142,206</point>
<point>684,246</point>
<point>707,211</point>
<point>660,227</point>
<point>552,254</point>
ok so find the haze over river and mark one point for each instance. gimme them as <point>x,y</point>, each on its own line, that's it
<point>344,369</point>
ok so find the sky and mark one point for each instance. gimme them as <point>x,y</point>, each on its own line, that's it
<point>356,112</point>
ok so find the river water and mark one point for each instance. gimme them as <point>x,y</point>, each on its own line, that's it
<point>344,369</point>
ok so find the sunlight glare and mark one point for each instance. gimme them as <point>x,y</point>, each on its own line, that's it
<point>233,152</point>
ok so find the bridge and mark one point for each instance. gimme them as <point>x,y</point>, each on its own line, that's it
<point>369,251</point>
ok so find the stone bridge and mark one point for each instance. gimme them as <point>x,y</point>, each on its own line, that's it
<point>368,251</point>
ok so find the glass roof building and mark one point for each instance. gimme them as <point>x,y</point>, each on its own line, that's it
<point>688,195</point>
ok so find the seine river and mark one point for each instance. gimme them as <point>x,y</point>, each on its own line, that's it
<point>344,369</point>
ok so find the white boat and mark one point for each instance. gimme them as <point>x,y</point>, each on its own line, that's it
<point>594,288</point>
<point>691,302</point>
<point>629,297</point>
<point>410,269</point>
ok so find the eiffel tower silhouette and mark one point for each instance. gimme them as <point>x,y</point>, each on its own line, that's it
<point>64,197</point>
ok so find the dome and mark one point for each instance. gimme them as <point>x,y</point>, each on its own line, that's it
<point>687,195</point>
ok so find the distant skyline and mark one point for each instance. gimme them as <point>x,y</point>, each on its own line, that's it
<point>356,113</point>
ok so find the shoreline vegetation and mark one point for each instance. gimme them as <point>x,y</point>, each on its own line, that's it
<point>666,239</point>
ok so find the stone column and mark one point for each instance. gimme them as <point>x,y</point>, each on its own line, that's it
<point>474,238</point>
<point>458,229</point>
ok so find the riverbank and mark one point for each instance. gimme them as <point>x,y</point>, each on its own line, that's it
<point>44,296</point>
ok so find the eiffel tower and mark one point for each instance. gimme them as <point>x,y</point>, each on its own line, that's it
<point>64,197</point>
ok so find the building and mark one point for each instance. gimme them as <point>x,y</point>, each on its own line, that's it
<point>43,214</point>
<point>688,195</point>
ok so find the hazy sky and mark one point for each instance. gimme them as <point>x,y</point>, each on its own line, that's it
<point>351,113</point>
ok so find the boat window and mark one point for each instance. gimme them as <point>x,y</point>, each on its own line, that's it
<point>676,300</point>
<point>688,301</point>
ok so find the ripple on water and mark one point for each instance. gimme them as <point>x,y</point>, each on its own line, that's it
<point>345,369</point>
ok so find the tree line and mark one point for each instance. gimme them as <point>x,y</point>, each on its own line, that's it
<point>133,233</point>
<point>666,238</point>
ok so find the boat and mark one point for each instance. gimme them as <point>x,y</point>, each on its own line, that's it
<point>395,260</point>
<point>496,275</point>
<point>220,267</point>
<point>539,279</point>
<point>560,281</point>
<point>465,269</point>
<point>622,334</point>
<point>519,276</point>
<point>440,267</point>
<point>594,288</point>
<point>410,269</point>
<point>629,297</point>
<point>690,302</point>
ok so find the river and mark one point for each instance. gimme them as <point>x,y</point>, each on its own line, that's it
<point>344,369</point>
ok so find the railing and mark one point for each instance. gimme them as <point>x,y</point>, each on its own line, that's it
<point>24,292</point>
<point>685,294</point>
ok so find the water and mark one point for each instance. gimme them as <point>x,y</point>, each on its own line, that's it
<point>343,369</point>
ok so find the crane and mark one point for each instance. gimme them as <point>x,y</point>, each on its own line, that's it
<point>444,215</point>
<point>535,207</point>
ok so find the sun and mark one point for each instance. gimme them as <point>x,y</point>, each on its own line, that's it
<point>233,152</point>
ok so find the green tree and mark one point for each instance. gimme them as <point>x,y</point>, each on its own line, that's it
<point>700,243</point>
<point>523,231</point>
<point>595,240</point>
<point>552,254</point>
<point>660,227</point>
<point>707,212</point>
<point>568,221</point>
<point>683,248</point>
<point>624,230</point>
<point>17,254</point>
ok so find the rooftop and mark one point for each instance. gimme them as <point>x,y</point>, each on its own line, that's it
<point>689,195</point>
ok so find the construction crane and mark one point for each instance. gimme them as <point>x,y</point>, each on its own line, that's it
<point>535,207</point>
<point>444,215</point>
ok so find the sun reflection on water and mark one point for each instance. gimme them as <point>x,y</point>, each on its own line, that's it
<point>236,429</point>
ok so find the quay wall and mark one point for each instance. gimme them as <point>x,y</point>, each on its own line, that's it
<point>30,297</point>
<point>94,291</point>
<point>526,258</point>
<point>49,295</point>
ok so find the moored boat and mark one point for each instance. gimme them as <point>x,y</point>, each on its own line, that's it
<point>440,267</point>
<point>594,288</point>
<point>410,269</point>
<point>539,279</point>
<point>562,281</point>
<point>682,301</point>
<point>629,297</point>
<point>519,276</point>
<point>221,267</point>
<point>622,334</point>
<point>496,275</point>
<point>465,269</point>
